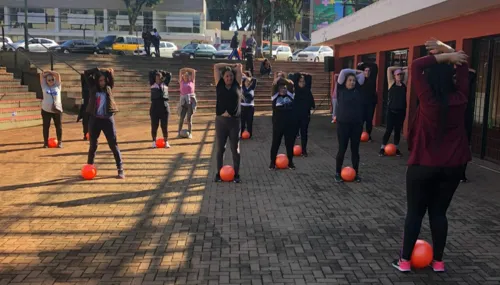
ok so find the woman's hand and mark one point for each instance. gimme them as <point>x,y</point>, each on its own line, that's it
<point>458,58</point>
<point>436,46</point>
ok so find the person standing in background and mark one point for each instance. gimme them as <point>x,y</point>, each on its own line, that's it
<point>243,46</point>
<point>156,42</point>
<point>146,36</point>
<point>369,92</point>
<point>234,45</point>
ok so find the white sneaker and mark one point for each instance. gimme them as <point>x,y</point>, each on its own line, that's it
<point>167,145</point>
<point>154,144</point>
<point>190,136</point>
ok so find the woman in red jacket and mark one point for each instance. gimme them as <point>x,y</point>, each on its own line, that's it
<point>438,147</point>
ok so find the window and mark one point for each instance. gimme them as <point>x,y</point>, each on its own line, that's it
<point>34,41</point>
<point>287,49</point>
<point>120,40</point>
<point>44,41</point>
<point>162,45</point>
<point>169,45</point>
<point>183,23</point>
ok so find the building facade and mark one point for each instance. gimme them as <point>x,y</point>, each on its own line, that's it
<point>95,19</point>
<point>394,32</point>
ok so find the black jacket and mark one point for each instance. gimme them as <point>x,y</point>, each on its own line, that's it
<point>349,105</point>
<point>304,100</point>
<point>159,96</point>
<point>234,42</point>
<point>369,88</point>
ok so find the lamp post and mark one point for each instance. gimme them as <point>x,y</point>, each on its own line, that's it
<point>271,28</point>
<point>26,45</point>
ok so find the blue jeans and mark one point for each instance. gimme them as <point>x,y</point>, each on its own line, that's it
<point>234,53</point>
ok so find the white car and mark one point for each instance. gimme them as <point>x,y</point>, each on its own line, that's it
<point>314,54</point>
<point>166,50</point>
<point>34,45</point>
<point>5,41</point>
<point>281,52</point>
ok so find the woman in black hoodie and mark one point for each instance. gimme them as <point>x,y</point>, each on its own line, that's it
<point>160,109</point>
<point>303,104</point>
<point>349,117</point>
<point>284,123</point>
<point>369,91</point>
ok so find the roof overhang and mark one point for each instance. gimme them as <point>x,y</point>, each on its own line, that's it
<point>388,16</point>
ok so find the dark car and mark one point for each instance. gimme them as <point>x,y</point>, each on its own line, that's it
<point>75,46</point>
<point>106,45</point>
<point>196,50</point>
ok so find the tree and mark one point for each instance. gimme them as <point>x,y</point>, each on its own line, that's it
<point>286,12</point>
<point>134,9</point>
<point>225,11</point>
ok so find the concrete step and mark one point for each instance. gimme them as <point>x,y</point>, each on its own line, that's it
<point>6,76</point>
<point>20,122</point>
<point>20,103</point>
<point>19,112</point>
<point>17,95</point>
<point>13,88</point>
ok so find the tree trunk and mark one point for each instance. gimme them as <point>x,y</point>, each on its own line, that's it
<point>132,19</point>
<point>259,22</point>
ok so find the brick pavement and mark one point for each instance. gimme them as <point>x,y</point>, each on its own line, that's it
<point>167,223</point>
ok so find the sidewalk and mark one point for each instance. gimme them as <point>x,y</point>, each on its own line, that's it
<point>168,223</point>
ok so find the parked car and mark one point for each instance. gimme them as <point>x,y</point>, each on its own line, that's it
<point>5,41</point>
<point>315,53</point>
<point>106,45</point>
<point>127,45</point>
<point>279,52</point>
<point>34,45</point>
<point>224,51</point>
<point>294,55</point>
<point>196,50</point>
<point>75,46</point>
<point>166,50</point>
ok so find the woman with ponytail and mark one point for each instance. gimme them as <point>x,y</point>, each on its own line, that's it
<point>438,147</point>
<point>303,104</point>
<point>160,109</point>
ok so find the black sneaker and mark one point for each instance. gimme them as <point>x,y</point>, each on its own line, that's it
<point>370,139</point>
<point>237,179</point>
<point>291,166</point>
<point>272,166</point>
<point>59,145</point>
<point>304,154</point>
<point>84,137</point>
<point>357,179</point>
<point>338,178</point>
<point>381,152</point>
<point>45,146</point>
<point>121,174</point>
<point>217,178</point>
<point>398,153</point>
<point>464,180</point>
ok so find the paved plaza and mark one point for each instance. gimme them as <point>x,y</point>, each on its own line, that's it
<point>168,223</point>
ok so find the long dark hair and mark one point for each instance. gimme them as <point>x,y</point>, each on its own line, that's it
<point>440,80</point>
<point>107,77</point>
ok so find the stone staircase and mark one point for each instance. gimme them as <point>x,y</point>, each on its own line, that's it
<point>132,88</point>
<point>18,106</point>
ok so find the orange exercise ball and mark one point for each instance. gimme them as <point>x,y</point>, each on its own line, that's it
<point>227,173</point>
<point>52,143</point>
<point>365,136</point>
<point>89,172</point>
<point>422,255</point>
<point>245,135</point>
<point>281,161</point>
<point>87,136</point>
<point>390,150</point>
<point>348,174</point>
<point>160,143</point>
<point>297,150</point>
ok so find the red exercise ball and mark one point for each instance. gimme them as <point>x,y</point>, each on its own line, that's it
<point>87,136</point>
<point>390,150</point>
<point>245,135</point>
<point>422,255</point>
<point>89,172</point>
<point>348,174</point>
<point>297,150</point>
<point>281,161</point>
<point>52,143</point>
<point>227,173</point>
<point>365,137</point>
<point>160,143</point>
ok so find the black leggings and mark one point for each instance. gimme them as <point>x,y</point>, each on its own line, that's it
<point>349,132</point>
<point>368,112</point>
<point>227,127</point>
<point>429,188</point>
<point>303,127</point>
<point>46,117</point>
<point>395,121</point>
<point>283,128</point>
<point>158,117</point>
<point>247,113</point>
<point>107,126</point>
